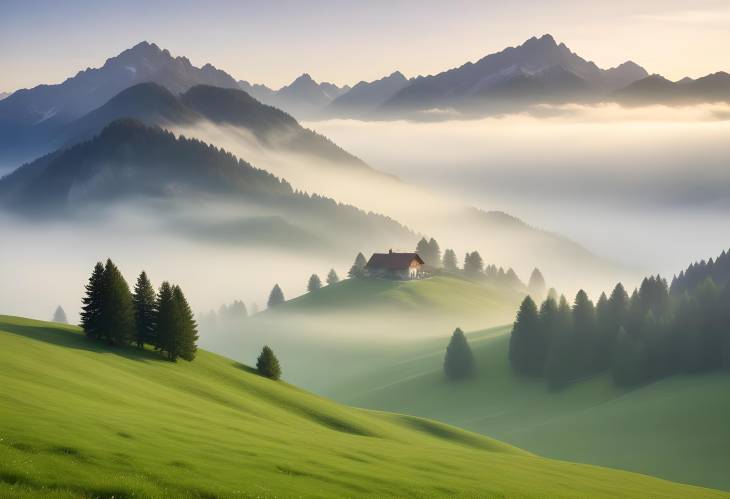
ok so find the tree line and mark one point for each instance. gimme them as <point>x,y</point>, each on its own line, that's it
<point>163,319</point>
<point>653,333</point>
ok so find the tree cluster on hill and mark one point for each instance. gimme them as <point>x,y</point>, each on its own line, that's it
<point>112,313</point>
<point>643,337</point>
<point>473,266</point>
<point>459,360</point>
<point>717,269</point>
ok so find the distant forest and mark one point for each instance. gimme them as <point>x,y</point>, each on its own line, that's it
<point>657,331</point>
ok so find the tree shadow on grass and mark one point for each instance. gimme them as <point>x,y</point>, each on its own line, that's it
<point>70,339</point>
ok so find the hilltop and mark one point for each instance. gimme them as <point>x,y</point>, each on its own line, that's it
<point>80,420</point>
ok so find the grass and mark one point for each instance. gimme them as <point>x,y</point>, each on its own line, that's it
<point>435,296</point>
<point>677,428</point>
<point>78,419</point>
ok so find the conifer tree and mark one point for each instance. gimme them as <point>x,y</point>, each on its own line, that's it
<point>560,366</point>
<point>523,343</point>
<point>459,360</point>
<point>332,277</point>
<point>116,319</point>
<point>358,268</point>
<point>473,264</point>
<point>434,253</point>
<point>268,365</point>
<point>314,283</point>
<point>628,366</point>
<point>91,303</point>
<point>276,297</point>
<point>144,300</point>
<point>186,333</point>
<point>423,249</point>
<point>449,261</point>
<point>165,321</point>
<point>536,285</point>
<point>584,327</point>
<point>60,315</point>
<point>553,295</point>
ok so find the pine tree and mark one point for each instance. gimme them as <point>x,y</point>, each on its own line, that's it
<point>459,360</point>
<point>358,268</point>
<point>332,277</point>
<point>276,297</point>
<point>165,321</point>
<point>584,327</point>
<point>473,264</point>
<point>187,330</point>
<point>314,283</point>
<point>267,364</point>
<point>423,250</point>
<point>91,303</point>
<point>536,286</point>
<point>552,294</point>
<point>434,253</point>
<point>560,366</point>
<point>117,312</point>
<point>522,344</point>
<point>60,315</point>
<point>144,300</point>
<point>449,261</point>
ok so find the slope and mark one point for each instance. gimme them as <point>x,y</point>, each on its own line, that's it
<point>675,429</point>
<point>82,420</point>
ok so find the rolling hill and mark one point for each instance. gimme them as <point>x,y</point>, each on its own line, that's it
<point>83,420</point>
<point>675,428</point>
<point>356,325</point>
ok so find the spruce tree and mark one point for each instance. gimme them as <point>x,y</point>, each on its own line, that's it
<point>358,268</point>
<point>449,261</point>
<point>276,297</point>
<point>187,330</point>
<point>332,277</point>
<point>536,285</point>
<point>459,360</point>
<point>268,365</point>
<point>560,365</point>
<point>524,338</point>
<point>165,321</point>
<point>434,253</point>
<point>423,250</point>
<point>116,319</point>
<point>91,303</point>
<point>584,327</point>
<point>473,264</point>
<point>60,315</point>
<point>144,300</point>
<point>314,283</point>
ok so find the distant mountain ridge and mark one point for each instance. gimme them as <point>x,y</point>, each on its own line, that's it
<point>656,89</point>
<point>130,161</point>
<point>154,104</point>
<point>541,62</point>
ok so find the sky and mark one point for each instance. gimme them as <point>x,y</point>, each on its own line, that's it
<point>274,41</point>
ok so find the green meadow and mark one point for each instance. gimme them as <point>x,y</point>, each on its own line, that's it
<point>677,428</point>
<point>79,419</point>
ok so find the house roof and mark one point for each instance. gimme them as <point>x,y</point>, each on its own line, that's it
<point>392,261</point>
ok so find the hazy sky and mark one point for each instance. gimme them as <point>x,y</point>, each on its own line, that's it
<point>342,41</point>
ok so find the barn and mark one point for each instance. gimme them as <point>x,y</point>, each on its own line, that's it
<point>392,265</point>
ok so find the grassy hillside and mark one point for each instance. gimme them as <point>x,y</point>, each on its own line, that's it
<point>80,420</point>
<point>358,324</point>
<point>438,295</point>
<point>676,428</point>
